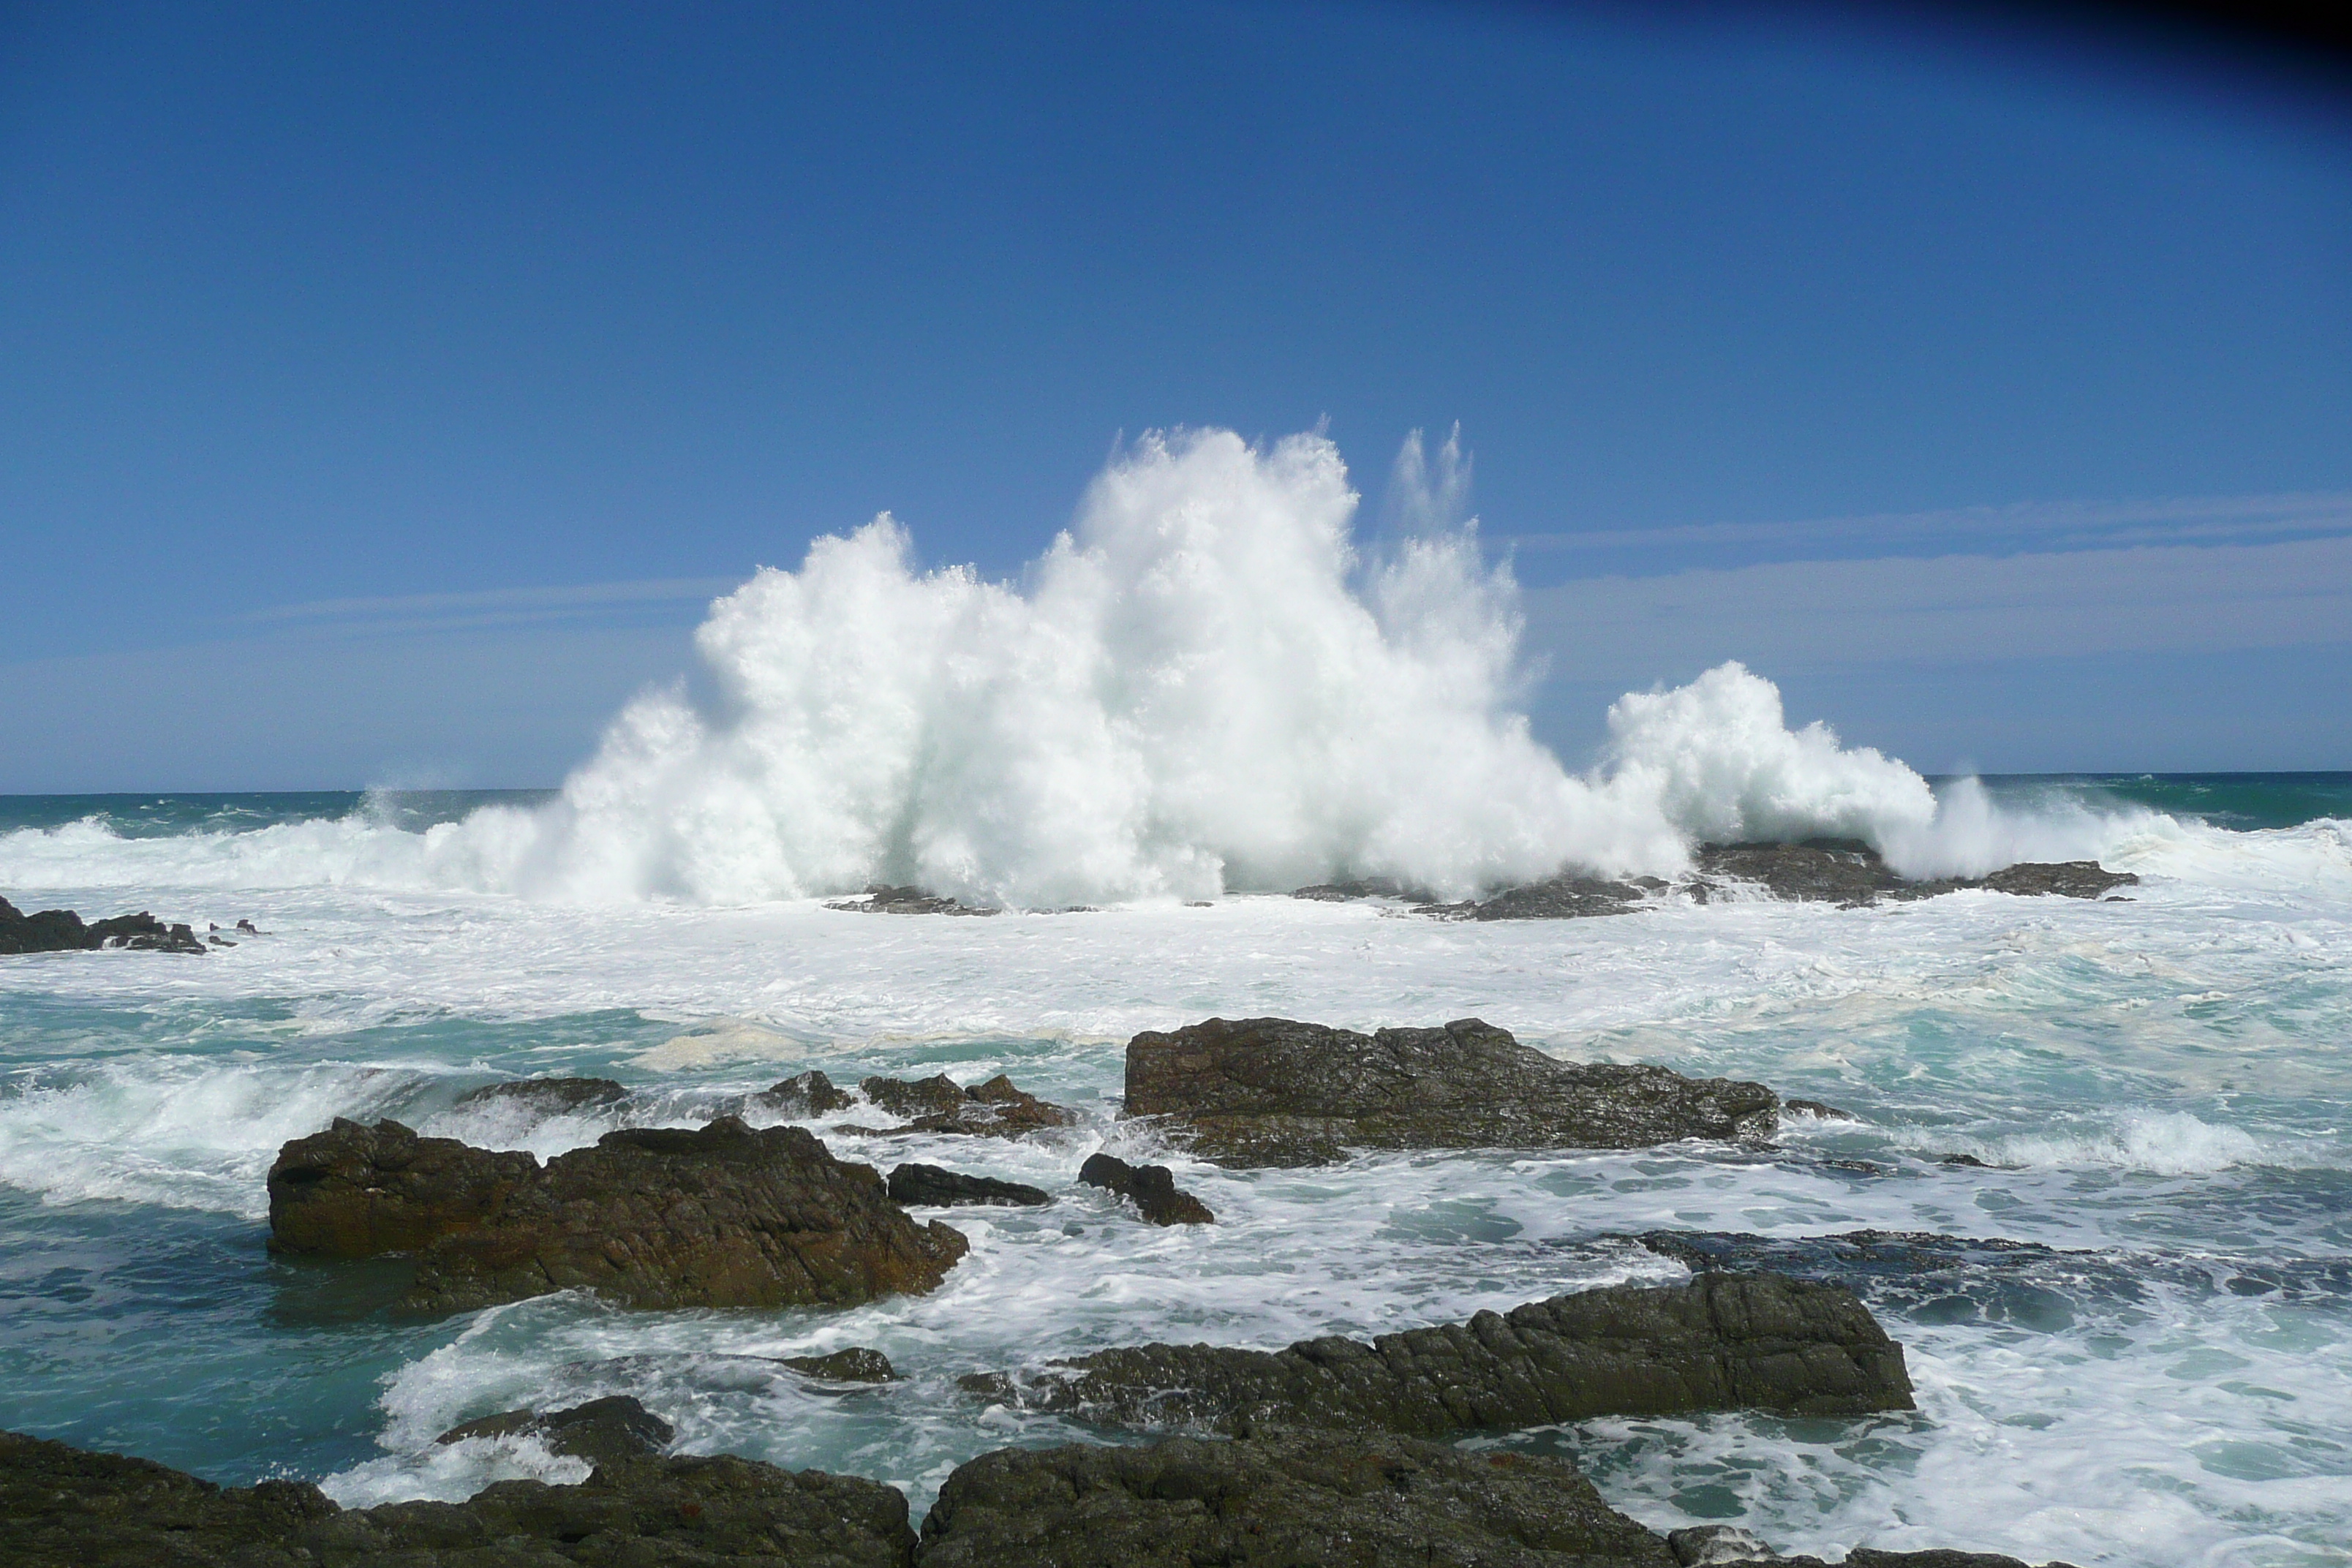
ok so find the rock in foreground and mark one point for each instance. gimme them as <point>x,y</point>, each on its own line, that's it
<point>1153,1190</point>
<point>1269,1091</point>
<point>1279,1500</point>
<point>1724,1341</point>
<point>63,1506</point>
<point>722,1216</point>
<point>62,930</point>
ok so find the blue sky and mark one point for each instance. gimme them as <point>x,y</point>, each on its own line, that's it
<point>385,390</point>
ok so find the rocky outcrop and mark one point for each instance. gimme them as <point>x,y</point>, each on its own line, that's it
<point>602,1431</point>
<point>1153,1190</point>
<point>1560,898</point>
<point>882,900</point>
<point>935,1186</point>
<point>804,1095</point>
<point>548,1096</point>
<point>62,930</point>
<point>722,1216</point>
<point>1724,1341</point>
<point>1278,1501</point>
<point>856,1364</point>
<point>992,1110</point>
<point>1851,874</point>
<point>1269,1091</point>
<point>1364,887</point>
<point>63,1505</point>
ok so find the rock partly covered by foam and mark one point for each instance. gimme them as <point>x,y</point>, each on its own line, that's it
<point>852,1363</point>
<point>601,1431</point>
<point>1278,1501</point>
<point>1269,1091</point>
<point>1850,873</point>
<point>882,900</point>
<point>1724,1341</point>
<point>62,930</point>
<point>63,1506</point>
<point>936,1186</point>
<point>722,1216</point>
<point>803,1095</point>
<point>992,1110</point>
<point>548,1096</point>
<point>1153,1190</point>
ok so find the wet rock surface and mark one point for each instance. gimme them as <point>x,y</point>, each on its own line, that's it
<point>935,1186</point>
<point>1282,1501</point>
<point>1721,1545</point>
<point>992,1110</point>
<point>62,930</point>
<point>724,1216</point>
<point>882,900</point>
<point>858,1363</point>
<point>1557,899</point>
<point>64,1506</point>
<point>804,1095</point>
<point>1151,1188</point>
<point>1273,1092</point>
<point>553,1096</point>
<point>601,1431</point>
<point>1724,1341</point>
<point>1850,873</point>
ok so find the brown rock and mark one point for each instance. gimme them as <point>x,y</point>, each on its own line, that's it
<point>992,1110</point>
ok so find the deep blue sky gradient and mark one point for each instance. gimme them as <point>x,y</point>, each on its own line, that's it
<point>486,306</point>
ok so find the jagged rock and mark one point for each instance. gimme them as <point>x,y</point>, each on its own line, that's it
<point>65,1506</point>
<point>1278,1501</point>
<point>937,1187</point>
<point>62,930</point>
<point>1850,873</point>
<point>803,1095</point>
<point>1564,897</point>
<point>1151,1188</point>
<point>1363,888</point>
<point>1269,1091</point>
<point>554,1096</point>
<point>882,900</point>
<point>601,1431</point>
<point>992,1110</point>
<point>722,1216</point>
<point>856,1364</point>
<point>1724,1341</point>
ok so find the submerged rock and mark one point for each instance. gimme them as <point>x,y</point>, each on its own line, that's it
<point>936,1186</point>
<point>803,1095</point>
<point>1724,1341</point>
<point>601,1431</point>
<point>882,900</point>
<point>856,1364</point>
<point>722,1216</point>
<point>1151,1188</point>
<point>62,930</point>
<point>992,1110</point>
<point>63,1505</point>
<point>1278,1501</point>
<point>1269,1091</point>
<point>553,1096</point>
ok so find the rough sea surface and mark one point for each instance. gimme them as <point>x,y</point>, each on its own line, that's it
<point>2160,1092</point>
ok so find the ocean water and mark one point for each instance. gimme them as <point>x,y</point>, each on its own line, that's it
<point>1204,695</point>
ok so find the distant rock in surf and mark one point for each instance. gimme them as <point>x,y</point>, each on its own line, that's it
<point>855,1363</point>
<point>62,930</point>
<point>804,1095</point>
<point>1270,1091</point>
<point>1364,887</point>
<point>1153,1190</point>
<point>722,1216</point>
<point>549,1095</point>
<point>1724,1341</point>
<point>65,1505</point>
<point>882,900</point>
<point>934,1186</point>
<point>1851,874</point>
<point>601,1431</point>
<point>992,1110</point>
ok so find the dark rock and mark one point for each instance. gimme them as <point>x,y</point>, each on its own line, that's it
<point>1278,1501</point>
<point>2064,879</point>
<point>601,1431</point>
<point>62,930</point>
<point>1860,1167</point>
<point>250,928</point>
<point>1560,898</point>
<point>1151,1188</point>
<point>1268,1091</point>
<point>1970,1160</point>
<point>64,1506</point>
<point>882,900</point>
<point>1850,873</point>
<point>804,1095</point>
<point>858,1363</point>
<point>1724,1341</point>
<point>1815,1107</point>
<point>937,1187</point>
<point>1364,887</point>
<point>554,1096</point>
<point>722,1216</point>
<point>992,1110</point>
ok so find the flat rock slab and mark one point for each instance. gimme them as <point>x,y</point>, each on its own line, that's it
<point>63,1506</point>
<point>1275,1092</point>
<point>722,1216</point>
<point>1724,1341</point>
<point>1279,1500</point>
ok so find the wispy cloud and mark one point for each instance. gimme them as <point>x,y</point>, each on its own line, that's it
<point>492,608</point>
